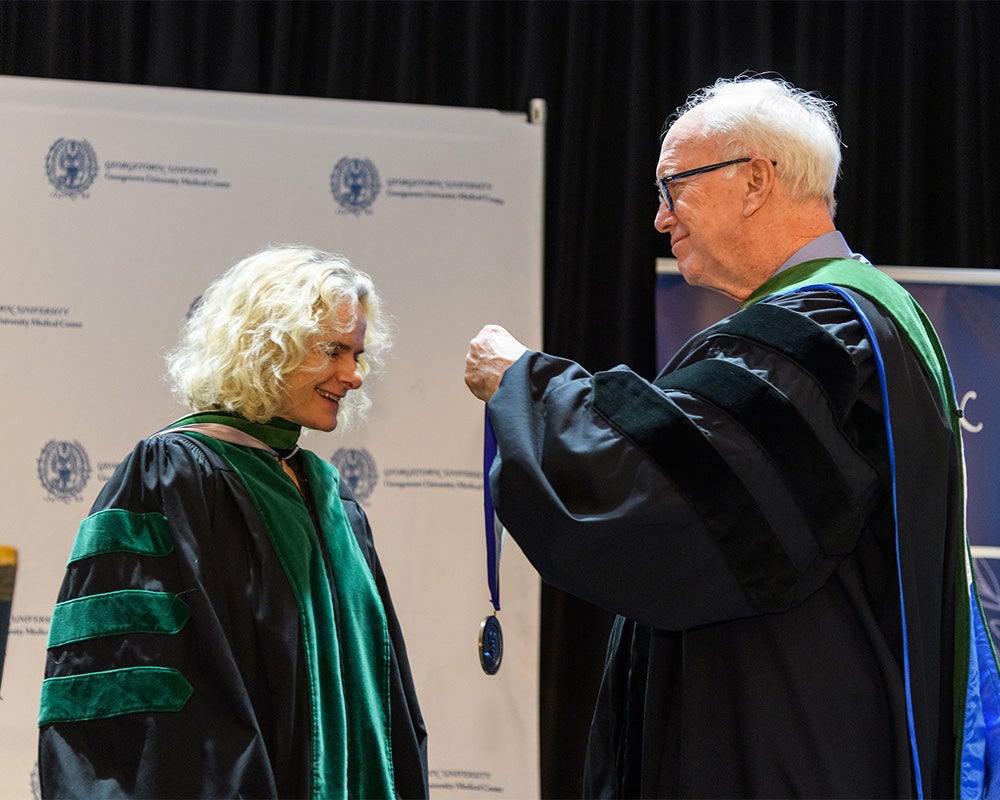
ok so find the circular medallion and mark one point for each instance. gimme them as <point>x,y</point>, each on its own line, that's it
<point>490,645</point>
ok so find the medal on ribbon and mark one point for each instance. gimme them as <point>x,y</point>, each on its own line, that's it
<point>490,633</point>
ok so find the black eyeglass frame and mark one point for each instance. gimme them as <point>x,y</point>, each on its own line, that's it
<point>663,182</point>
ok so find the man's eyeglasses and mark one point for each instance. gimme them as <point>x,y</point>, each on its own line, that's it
<point>663,184</point>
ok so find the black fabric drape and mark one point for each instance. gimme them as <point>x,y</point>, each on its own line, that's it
<point>918,88</point>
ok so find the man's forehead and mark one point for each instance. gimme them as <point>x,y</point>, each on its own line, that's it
<point>682,143</point>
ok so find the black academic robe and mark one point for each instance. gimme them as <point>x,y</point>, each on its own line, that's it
<point>246,729</point>
<point>737,515</point>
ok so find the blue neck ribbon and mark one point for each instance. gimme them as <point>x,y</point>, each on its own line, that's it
<point>494,537</point>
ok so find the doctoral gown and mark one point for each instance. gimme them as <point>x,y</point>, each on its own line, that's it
<point>737,514</point>
<point>200,646</point>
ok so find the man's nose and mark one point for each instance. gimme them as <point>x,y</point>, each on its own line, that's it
<point>664,220</point>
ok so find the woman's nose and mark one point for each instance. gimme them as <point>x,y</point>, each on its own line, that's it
<point>353,378</point>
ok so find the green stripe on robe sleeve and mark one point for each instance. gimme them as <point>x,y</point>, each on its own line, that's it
<point>115,614</point>
<point>115,530</point>
<point>112,693</point>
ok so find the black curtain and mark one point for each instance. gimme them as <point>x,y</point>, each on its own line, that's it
<point>917,85</point>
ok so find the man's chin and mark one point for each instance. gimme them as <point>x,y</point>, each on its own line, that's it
<point>688,271</point>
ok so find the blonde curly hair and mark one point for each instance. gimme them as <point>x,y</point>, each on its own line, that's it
<point>254,327</point>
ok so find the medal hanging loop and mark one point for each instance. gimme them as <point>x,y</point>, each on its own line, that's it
<point>490,633</point>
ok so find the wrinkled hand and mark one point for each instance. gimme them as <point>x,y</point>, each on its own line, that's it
<point>490,354</point>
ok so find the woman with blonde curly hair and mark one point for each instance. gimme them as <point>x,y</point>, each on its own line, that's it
<point>224,628</point>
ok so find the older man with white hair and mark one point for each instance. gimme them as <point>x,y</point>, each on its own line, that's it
<point>777,519</point>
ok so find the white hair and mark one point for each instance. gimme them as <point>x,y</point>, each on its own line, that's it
<point>794,128</point>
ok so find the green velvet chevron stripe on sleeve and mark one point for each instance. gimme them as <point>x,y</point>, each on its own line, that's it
<point>117,613</point>
<point>115,530</point>
<point>113,693</point>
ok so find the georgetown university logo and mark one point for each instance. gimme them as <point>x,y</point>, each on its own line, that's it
<point>357,467</point>
<point>63,470</point>
<point>355,184</point>
<point>71,166</point>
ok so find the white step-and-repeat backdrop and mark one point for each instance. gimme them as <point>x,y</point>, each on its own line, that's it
<point>120,203</point>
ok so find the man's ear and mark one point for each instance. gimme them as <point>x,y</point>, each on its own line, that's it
<point>760,184</point>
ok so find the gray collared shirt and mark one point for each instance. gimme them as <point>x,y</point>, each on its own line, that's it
<point>829,245</point>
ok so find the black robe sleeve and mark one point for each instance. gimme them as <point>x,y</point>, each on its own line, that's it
<point>242,726</point>
<point>692,499</point>
<point>736,514</point>
<point>239,644</point>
